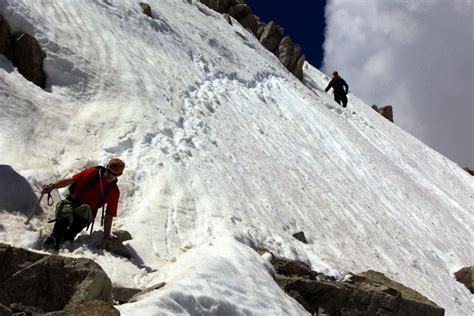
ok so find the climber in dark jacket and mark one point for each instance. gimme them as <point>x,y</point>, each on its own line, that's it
<point>340,87</point>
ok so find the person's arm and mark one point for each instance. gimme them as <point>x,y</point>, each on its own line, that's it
<point>346,86</point>
<point>108,226</point>
<point>329,86</point>
<point>57,185</point>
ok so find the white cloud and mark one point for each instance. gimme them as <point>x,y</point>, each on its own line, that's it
<point>415,55</point>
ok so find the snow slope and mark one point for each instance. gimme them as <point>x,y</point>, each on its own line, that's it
<point>224,150</point>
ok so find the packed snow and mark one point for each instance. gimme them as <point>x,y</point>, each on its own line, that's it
<point>225,151</point>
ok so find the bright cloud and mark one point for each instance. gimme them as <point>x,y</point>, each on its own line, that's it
<point>415,55</point>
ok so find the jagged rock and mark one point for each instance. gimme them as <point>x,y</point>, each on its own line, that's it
<point>122,235</point>
<point>148,290</point>
<point>471,172</point>
<point>4,36</point>
<point>295,54</point>
<point>368,293</point>
<point>27,310</point>
<point>260,29</point>
<point>227,18</point>
<point>298,69</point>
<point>385,111</point>
<point>270,37</point>
<point>239,11</point>
<point>290,267</point>
<point>95,307</point>
<point>146,9</point>
<point>301,237</point>
<point>5,311</point>
<point>466,277</point>
<point>49,282</point>
<point>123,294</point>
<point>285,50</point>
<point>249,22</point>
<point>28,57</point>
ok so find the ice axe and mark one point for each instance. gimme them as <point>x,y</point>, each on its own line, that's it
<point>50,202</point>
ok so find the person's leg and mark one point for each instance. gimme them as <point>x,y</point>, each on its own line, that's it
<point>344,101</point>
<point>337,99</point>
<point>82,217</point>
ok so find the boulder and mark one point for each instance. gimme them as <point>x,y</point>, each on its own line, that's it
<point>95,307</point>
<point>227,18</point>
<point>290,267</point>
<point>146,9</point>
<point>239,11</point>
<point>124,294</point>
<point>136,297</point>
<point>4,36</point>
<point>260,29</point>
<point>49,282</point>
<point>270,37</point>
<point>117,247</point>
<point>466,277</point>
<point>28,57</point>
<point>298,69</point>
<point>295,54</point>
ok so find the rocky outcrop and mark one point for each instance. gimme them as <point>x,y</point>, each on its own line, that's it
<point>471,172</point>
<point>368,293</point>
<point>385,111</point>
<point>24,52</point>
<point>46,283</point>
<point>146,9</point>
<point>466,277</point>
<point>137,296</point>
<point>271,35</point>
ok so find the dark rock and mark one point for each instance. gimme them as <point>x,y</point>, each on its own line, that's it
<point>124,294</point>
<point>466,277</point>
<point>49,283</point>
<point>298,69</point>
<point>95,307</point>
<point>368,293</point>
<point>301,237</point>
<point>5,311</point>
<point>285,50</point>
<point>122,235</point>
<point>471,172</point>
<point>239,11</point>
<point>261,250</point>
<point>4,37</point>
<point>227,18</point>
<point>270,37</point>
<point>148,290</point>
<point>260,29</point>
<point>289,267</point>
<point>28,57</point>
<point>385,111</point>
<point>295,54</point>
<point>249,22</point>
<point>20,308</point>
<point>146,9</point>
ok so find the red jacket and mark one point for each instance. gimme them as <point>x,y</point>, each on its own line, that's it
<point>91,196</point>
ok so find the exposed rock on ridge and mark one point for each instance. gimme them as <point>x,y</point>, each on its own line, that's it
<point>367,293</point>
<point>385,111</point>
<point>271,35</point>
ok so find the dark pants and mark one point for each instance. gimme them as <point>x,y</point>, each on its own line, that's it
<point>341,98</point>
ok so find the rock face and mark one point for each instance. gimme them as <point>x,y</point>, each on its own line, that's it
<point>301,237</point>
<point>368,293</point>
<point>49,283</point>
<point>124,294</point>
<point>466,277</point>
<point>271,35</point>
<point>385,111</point>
